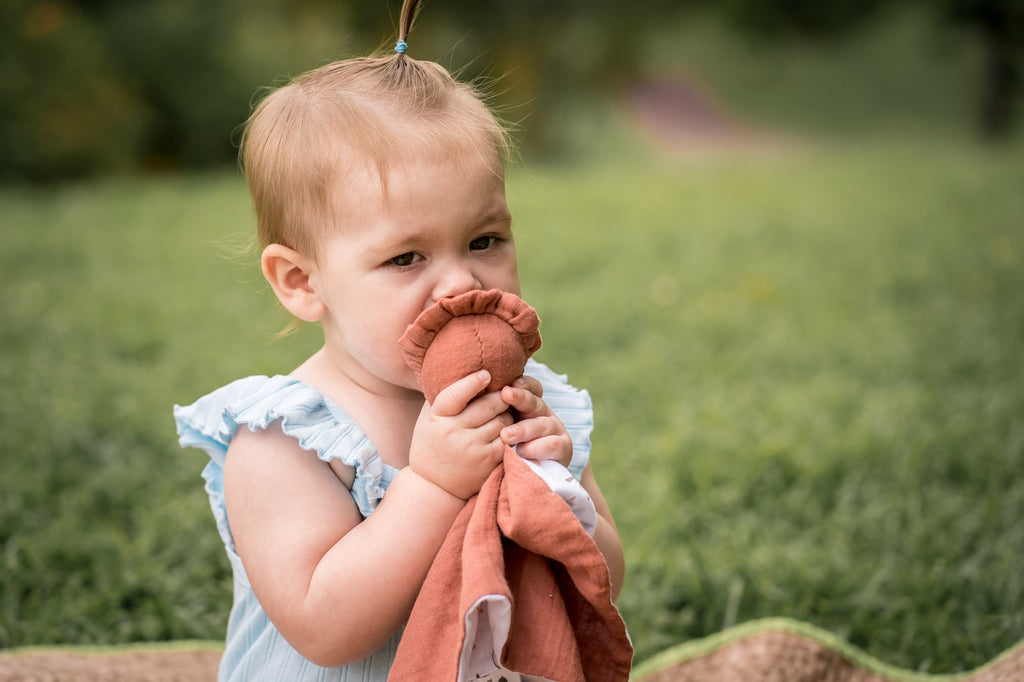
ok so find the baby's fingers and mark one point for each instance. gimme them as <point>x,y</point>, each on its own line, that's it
<point>527,403</point>
<point>554,448</point>
<point>530,384</point>
<point>453,400</point>
<point>540,438</point>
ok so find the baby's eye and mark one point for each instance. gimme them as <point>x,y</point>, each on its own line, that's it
<point>483,243</point>
<point>404,260</point>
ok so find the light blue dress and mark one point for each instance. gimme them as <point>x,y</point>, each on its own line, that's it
<point>254,649</point>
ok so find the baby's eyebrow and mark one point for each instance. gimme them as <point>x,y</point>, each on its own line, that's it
<point>398,245</point>
<point>498,216</point>
<point>414,240</point>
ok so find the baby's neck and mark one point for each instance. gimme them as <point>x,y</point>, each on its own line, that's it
<point>387,418</point>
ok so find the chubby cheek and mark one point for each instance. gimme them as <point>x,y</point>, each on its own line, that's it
<point>385,361</point>
<point>511,276</point>
<point>505,279</point>
<point>386,354</point>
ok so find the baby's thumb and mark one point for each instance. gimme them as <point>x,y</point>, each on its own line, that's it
<point>453,399</point>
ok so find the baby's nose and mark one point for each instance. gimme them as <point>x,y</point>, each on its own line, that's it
<point>454,281</point>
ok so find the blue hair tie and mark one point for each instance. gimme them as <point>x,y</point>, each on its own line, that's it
<point>401,46</point>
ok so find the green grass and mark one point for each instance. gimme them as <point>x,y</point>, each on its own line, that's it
<point>807,366</point>
<point>811,386</point>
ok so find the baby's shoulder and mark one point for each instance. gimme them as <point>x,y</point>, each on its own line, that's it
<point>256,402</point>
<point>302,413</point>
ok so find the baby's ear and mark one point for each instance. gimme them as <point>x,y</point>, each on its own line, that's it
<point>288,273</point>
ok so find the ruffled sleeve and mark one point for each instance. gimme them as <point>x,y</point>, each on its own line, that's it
<point>304,413</point>
<point>573,406</point>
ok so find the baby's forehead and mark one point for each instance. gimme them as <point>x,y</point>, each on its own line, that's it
<point>424,145</point>
<point>361,170</point>
<point>368,187</point>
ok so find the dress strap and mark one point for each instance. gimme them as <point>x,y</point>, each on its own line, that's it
<point>573,406</point>
<point>317,423</point>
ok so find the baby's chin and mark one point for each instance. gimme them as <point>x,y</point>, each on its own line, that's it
<point>407,382</point>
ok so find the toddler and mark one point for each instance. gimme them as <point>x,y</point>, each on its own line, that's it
<point>378,188</point>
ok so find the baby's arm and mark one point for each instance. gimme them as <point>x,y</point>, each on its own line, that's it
<point>335,585</point>
<point>607,535</point>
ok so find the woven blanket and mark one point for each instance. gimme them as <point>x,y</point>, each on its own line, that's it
<point>785,650</point>
<point>771,650</point>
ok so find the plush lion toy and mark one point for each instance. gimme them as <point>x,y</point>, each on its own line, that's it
<point>490,330</point>
<point>519,584</point>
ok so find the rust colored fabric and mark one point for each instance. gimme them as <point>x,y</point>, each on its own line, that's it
<point>519,540</point>
<point>517,569</point>
<point>490,330</point>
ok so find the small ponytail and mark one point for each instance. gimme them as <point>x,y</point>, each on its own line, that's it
<point>303,139</point>
<point>405,20</point>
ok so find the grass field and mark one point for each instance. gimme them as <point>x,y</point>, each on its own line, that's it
<point>808,367</point>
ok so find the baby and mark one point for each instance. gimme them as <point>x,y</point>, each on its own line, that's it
<point>378,187</point>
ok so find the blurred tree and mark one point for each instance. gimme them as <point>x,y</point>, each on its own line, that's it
<point>806,19</point>
<point>171,52</point>
<point>549,52</point>
<point>93,86</point>
<point>66,112</point>
<point>99,86</point>
<point>997,26</point>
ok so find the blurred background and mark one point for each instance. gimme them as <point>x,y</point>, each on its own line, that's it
<point>100,86</point>
<point>780,243</point>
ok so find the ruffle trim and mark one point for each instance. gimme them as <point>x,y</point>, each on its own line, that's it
<point>304,413</point>
<point>573,406</point>
<point>324,428</point>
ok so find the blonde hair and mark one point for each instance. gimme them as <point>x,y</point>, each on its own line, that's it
<point>304,138</point>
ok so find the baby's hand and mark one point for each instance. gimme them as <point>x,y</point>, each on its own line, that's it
<point>539,434</point>
<point>457,441</point>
